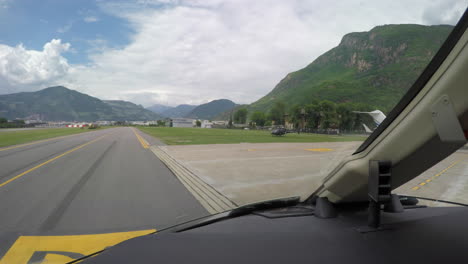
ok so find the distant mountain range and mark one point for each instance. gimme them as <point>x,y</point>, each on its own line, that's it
<point>124,110</point>
<point>159,108</point>
<point>62,104</point>
<point>207,111</point>
<point>171,111</point>
<point>212,109</point>
<point>179,111</point>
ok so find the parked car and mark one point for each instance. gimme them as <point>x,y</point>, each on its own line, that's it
<point>281,131</point>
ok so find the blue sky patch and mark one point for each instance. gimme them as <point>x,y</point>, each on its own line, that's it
<point>81,23</point>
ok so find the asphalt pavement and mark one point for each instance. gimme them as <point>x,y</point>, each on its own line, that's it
<point>96,182</point>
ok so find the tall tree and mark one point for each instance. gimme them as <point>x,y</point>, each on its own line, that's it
<point>296,115</point>
<point>345,116</point>
<point>259,118</point>
<point>328,114</point>
<point>313,117</point>
<point>277,113</point>
<point>240,116</point>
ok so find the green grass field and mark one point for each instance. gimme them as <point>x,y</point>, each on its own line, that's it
<point>193,136</point>
<point>8,138</point>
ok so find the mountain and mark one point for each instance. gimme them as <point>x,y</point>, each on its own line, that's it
<point>375,67</point>
<point>179,111</point>
<point>123,110</point>
<point>62,104</point>
<point>211,109</point>
<point>159,108</point>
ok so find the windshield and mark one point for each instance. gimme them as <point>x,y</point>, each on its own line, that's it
<point>122,118</point>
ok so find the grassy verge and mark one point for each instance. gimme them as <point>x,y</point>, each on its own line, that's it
<point>193,136</point>
<point>8,138</point>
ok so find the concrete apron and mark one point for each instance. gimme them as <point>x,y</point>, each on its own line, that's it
<point>231,175</point>
<point>251,172</point>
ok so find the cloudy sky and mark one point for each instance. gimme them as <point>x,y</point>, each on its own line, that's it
<point>184,51</point>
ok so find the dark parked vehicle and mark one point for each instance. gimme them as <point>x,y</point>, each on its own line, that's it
<point>279,131</point>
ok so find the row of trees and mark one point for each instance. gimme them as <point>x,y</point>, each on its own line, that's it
<point>327,114</point>
<point>5,124</point>
<point>318,115</point>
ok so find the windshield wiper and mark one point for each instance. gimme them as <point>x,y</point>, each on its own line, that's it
<point>244,210</point>
<point>265,205</point>
<point>431,199</point>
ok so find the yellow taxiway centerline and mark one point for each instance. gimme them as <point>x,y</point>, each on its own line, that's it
<point>143,142</point>
<point>49,161</point>
<point>433,177</point>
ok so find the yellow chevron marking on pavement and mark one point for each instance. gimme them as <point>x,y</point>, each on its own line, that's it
<point>75,245</point>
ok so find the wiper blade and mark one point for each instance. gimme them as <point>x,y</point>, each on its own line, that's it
<point>431,199</point>
<point>271,204</point>
<point>244,210</point>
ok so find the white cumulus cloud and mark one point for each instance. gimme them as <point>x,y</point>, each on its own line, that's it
<point>20,66</point>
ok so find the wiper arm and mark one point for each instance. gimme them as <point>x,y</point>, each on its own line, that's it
<point>244,210</point>
<point>271,204</point>
<point>431,199</point>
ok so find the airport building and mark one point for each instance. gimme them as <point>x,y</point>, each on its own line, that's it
<point>183,122</point>
<point>206,124</point>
